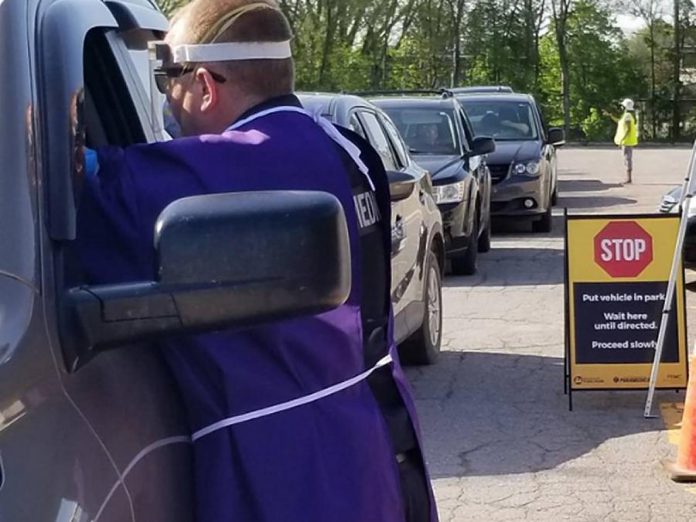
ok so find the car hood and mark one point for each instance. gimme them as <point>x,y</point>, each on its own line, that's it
<point>440,167</point>
<point>508,151</point>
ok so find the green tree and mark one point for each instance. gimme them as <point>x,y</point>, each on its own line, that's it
<point>651,51</point>
<point>502,42</point>
<point>168,7</point>
<point>600,70</point>
<point>569,53</point>
<point>651,12</point>
<point>562,10</point>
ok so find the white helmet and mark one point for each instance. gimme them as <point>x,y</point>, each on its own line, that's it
<point>628,104</point>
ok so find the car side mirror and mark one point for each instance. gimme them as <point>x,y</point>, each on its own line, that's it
<point>556,137</point>
<point>482,145</point>
<point>401,185</point>
<point>223,261</point>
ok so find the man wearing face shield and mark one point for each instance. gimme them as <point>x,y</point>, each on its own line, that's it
<point>347,456</point>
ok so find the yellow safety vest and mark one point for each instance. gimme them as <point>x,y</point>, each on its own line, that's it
<point>626,127</point>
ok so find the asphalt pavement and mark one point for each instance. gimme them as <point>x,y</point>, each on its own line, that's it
<point>500,441</point>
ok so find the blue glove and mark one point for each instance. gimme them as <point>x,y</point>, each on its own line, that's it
<point>91,162</point>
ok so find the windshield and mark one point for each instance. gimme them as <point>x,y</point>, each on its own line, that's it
<point>427,130</point>
<point>502,120</point>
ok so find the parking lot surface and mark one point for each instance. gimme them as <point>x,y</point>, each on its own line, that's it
<point>500,441</point>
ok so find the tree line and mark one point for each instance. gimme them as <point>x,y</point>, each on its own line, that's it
<point>570,54</point>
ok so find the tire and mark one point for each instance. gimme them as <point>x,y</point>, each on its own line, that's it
<point>484,241</point>
<point>468,263</point>
<point>423,347</point>
<point>545,223</point>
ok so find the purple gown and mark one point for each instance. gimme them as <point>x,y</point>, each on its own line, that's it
<point>327,461</point>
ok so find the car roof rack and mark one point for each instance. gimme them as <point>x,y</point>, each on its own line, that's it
<point>482,89</point>
<point>445,93</point>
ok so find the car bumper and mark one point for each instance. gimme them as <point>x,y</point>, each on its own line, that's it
<point>455,246</point>
<point>511,196</point>
<point>454,225</point>
<point>454,218</point>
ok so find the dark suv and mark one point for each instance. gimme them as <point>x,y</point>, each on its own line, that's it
<point>91,425</point>
<point>523,166</point>
<point>418,252</point>
<point>441,139</point>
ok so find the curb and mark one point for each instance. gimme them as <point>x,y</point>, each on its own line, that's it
<point>605,145</point>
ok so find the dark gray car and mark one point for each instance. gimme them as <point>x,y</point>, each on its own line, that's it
<point>523,167</point>
<point>91,426</point>
<point>441,139</point>
<point>418,250</point>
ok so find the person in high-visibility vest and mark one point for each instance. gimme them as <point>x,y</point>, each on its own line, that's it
<point>626,135</point>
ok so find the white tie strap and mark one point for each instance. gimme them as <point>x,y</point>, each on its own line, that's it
<point>294,403</point>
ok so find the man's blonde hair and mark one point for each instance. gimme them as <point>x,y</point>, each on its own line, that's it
<point>221,21</point>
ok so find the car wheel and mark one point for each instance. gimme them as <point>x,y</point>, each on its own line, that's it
<point>468,263</point>
<point>545,223</point>
<point>423,347</point>
<point>484,242</point>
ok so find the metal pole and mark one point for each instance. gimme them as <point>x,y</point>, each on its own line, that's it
<point>684,202</point>
<point>676,79</point>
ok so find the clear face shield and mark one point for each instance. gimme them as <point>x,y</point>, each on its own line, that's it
<point>167,63</point>
<point>161,67</point>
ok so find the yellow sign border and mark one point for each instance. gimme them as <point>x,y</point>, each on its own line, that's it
<point>624,376</point>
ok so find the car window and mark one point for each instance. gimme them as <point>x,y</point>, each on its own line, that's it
<point>396,141</point>
<point>502,120</point>
<point>355,125</point>
<point>379,140</point>
<point>117,108</point>
<point>428,130</point>
<point>115,111</point>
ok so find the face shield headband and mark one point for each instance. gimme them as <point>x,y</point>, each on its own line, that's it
<point>171,62</point>
<point>168,62</point>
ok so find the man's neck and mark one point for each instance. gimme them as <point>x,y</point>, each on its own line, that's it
<point>241,106</point>
<point>269,103</point>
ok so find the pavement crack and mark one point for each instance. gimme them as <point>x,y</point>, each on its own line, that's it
<point>464,455</point>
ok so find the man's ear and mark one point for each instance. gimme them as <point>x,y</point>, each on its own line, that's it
<point>210,94</point>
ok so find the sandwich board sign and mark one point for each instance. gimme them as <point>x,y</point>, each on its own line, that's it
<point>617,271</point>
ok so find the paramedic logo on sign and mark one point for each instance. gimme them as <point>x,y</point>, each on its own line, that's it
<point>623,249</point>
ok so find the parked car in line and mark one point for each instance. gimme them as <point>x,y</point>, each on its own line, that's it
<point>670,205</point>
<point>477,89</point>
<point>418,250</point>
<point>92,426</point>
<point>441,139</point>
<point>523,167</point>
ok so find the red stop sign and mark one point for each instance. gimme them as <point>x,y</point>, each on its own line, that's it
<point>623,249</point>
